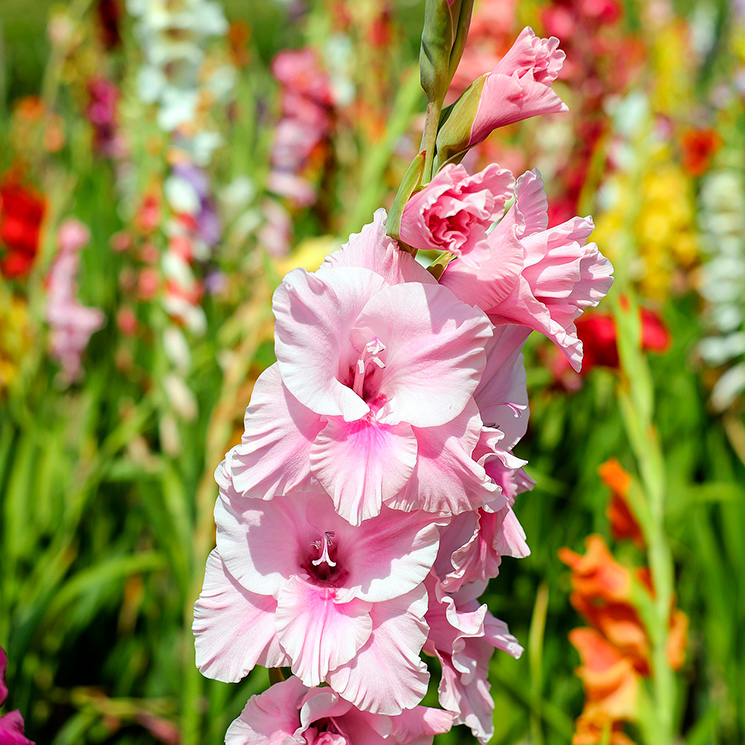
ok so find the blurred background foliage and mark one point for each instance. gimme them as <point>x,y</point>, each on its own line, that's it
<point>106,487</point>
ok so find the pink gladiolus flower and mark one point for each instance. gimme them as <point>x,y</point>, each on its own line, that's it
<point>291,712</point>
<point>537,276</point>
<point>373,391</point>
<point>519,87</point>
<point>453,212</point>
<point>463,635</point>
<point>292,583</point>
<point>307,105</point>
<point>11,724</point>
<point>72,323</point>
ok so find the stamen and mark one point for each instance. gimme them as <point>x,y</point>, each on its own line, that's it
<point>324,545</point>
<point>369,355</point>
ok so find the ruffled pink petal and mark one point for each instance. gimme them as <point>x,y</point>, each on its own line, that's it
<point>471,705</point>
<point>497,634</point>
<point>315,314</point>
<point>233,628</point>
<point>363,463</point>
<point>372,249</point>
<point>506,470</point>
<point>562,277</point>
<point>321,703</point>
<point>522,307</point>
<point>269,718</point>
<point>495,278</point>
<point>449,627</point>
<point>387,675</point>
<point>532,210</point>
<point>502,394</point>
<point>389,556</point>
<point>455,210</point>
<point>364,728</point>
<point>429,336</point>
<point>478,558</point>
<point>273,456</point>
<point>519,87</point>
<point>531,53</point>
<point>317,633</point>
<point>447,480</point>
<point>464,637</point>
<point>417,726</point>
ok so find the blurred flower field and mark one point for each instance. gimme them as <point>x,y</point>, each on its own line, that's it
<point>164,163</point>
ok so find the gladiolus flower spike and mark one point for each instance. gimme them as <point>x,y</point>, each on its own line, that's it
<point>372,496</point>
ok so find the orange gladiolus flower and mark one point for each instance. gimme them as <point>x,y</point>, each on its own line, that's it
<point>623,523</point>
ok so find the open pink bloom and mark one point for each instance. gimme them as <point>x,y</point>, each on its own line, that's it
<point>291,712</point>
<point>463,635</point>
<point>11,724</point>
<point>454,211</point>
<point>520,85</point>
<point>537,276</point>
<point>373,391</point>
<point>295,584</point>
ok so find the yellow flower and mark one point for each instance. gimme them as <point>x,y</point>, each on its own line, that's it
<point>14,337</point>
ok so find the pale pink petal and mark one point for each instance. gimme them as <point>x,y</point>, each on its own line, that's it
<point>450,626</point>
<point>502,395</point>
<point>258,540</point>
<point>512,539</point>
<point>364,728</point>
<point>487,285</point>
<point>417,726</point>
<point>478,558</point>
<point>233,628</point>
<point>472,704</point>
<point>362,463</point>
<point>269,718</point>
<point>498,636</point>
<point>531,53</point>
<point>530,209</point>
<point>464,638</point>
<point>372,249</point>
<point>317,633</point>
<point>273,456</point>
<point>562,276</point>
<point>507,471</point>
<point>389,556</point>
<point>315,314</point>
<point>447,480</point>
<point>429,336</point>
<point>387,675</point>
<point>321,703</point>
<point>458,532</point>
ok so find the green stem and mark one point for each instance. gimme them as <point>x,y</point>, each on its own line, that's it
<point>535,661</point>
<point>429,138</point>
<point>636,398</point>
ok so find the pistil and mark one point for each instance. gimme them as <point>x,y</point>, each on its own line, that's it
<point>324,545</point>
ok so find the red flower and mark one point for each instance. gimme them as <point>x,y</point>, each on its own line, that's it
<point>597,332</point>
<point>21,214</point>
<point>699,147</point>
